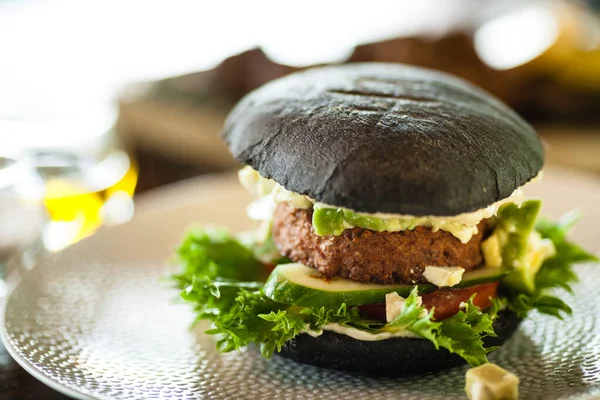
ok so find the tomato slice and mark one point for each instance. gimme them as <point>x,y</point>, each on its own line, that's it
<point>446,301</point>
<point>269,267</point>
<point>373,311</point>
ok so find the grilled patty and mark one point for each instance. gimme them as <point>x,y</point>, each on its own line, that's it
<point>373,257</point>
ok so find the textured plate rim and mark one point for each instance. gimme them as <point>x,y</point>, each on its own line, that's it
<point>147,211</point>
<point>24,363</point>
<point>16,279</point>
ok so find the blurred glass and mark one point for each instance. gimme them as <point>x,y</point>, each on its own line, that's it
<point>562,39</point>
<point>82,195</point>
<point>21,210</point>
<point>88,178</point>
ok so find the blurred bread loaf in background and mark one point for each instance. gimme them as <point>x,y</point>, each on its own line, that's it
<point>173,125</point>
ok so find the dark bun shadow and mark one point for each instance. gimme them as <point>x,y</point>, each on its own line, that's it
<point>391,357</point>
<point>385,138</point>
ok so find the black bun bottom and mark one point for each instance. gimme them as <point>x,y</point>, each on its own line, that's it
<point>391,357</point>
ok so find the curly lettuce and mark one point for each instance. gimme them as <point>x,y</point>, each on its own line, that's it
<point>223,278</point>
<point>555,272</point>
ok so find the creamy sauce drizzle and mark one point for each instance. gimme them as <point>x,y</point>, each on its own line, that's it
<point>462,226</point>
<point>361,335</point>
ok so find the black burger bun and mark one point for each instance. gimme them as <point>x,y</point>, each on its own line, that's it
<point>389,357</point>
<point>390,138</point>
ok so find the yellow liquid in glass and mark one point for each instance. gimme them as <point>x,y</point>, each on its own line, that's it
<point>75,202</point>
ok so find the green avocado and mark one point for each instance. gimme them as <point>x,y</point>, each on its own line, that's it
<point>521,247</point>
<point>330,221</point>
<point>333,221</point>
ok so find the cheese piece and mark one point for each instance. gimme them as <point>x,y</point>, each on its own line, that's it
<point>394,303</point>
<point>491,249</point>
<point>491,382</point>
<point>443,276</point>
<point>254,183</point>
<point>282,195</point>
<point>538,250</point>
<point>262,208</point>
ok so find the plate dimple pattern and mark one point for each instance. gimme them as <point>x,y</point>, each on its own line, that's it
<point>115,330</point>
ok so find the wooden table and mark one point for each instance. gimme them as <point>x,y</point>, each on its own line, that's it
<point>16,384</point>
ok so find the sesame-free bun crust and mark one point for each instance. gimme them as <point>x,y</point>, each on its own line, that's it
<point>391,138</point>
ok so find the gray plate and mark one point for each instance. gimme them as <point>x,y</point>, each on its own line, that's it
<point>96,321</point>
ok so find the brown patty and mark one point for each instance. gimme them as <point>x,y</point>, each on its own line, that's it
<point>367,256</point>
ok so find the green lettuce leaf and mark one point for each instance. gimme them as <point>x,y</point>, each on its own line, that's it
<point>414,318</point>
<point>215,253</point>
<point>243,324</point>
<point>555,272</point>
<point>223,279</point>
<point>214,278</point>
<point>343,315</point>
<point>462,334</point>
<point>256,319</point>
<point>215,267</point>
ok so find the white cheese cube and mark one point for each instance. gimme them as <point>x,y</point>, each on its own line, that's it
<point>492,251</point>
<point>443,276</point>
<point>491,382</point>
<point>393,305</point>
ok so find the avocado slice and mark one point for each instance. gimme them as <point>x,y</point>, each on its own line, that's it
<point>328,221</point>
<point>521,247</point>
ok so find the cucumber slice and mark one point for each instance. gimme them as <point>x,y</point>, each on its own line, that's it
<point>482,275</point>
<point>300,285</point>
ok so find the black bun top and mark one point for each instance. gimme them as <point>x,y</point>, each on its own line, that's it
<point>387,138</point>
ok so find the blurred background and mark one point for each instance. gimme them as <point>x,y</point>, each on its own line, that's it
<point>102,101</point>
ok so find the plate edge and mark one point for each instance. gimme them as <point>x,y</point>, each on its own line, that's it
<point>25,364</point>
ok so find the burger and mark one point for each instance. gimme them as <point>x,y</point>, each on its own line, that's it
<point>393,235</point>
